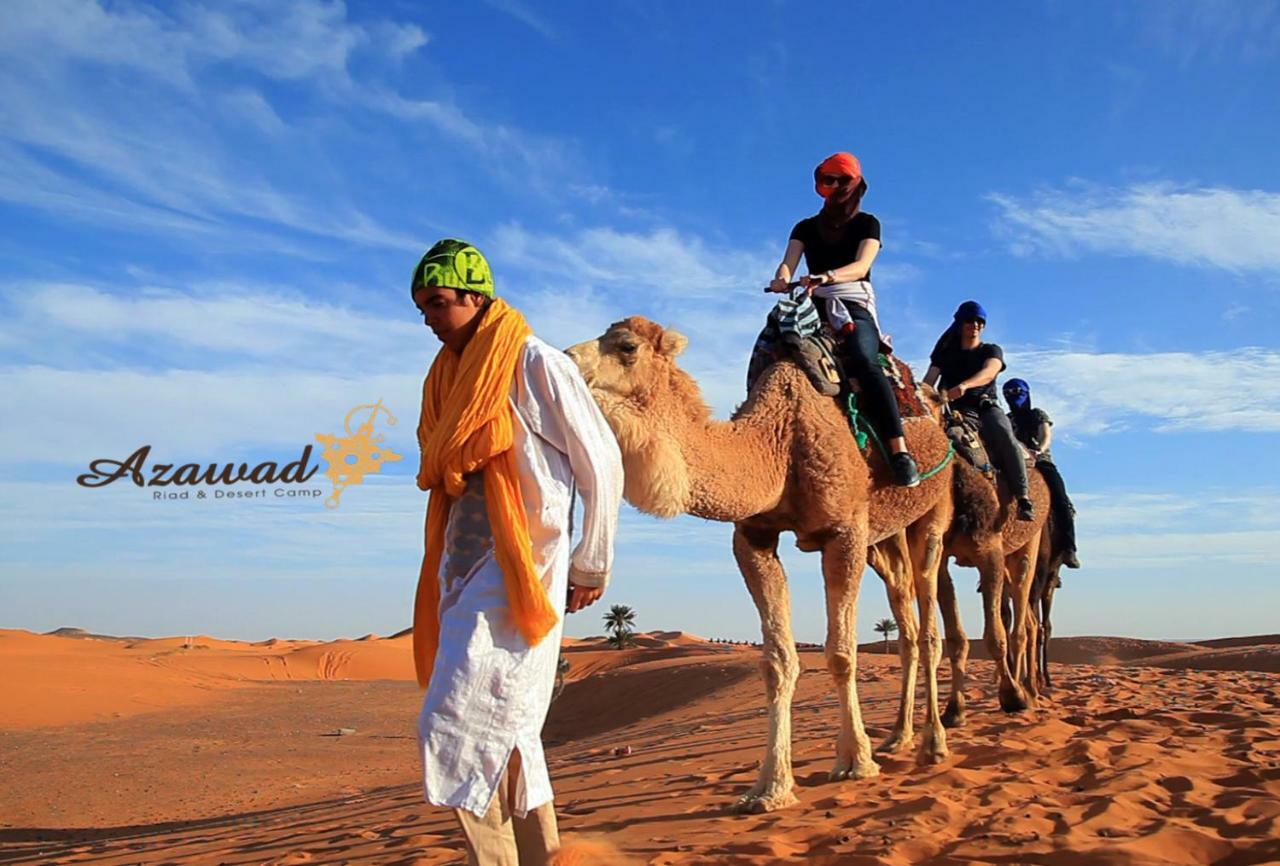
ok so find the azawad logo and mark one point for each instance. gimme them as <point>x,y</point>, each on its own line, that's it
<point>357,454</point>
<point>361,452</point>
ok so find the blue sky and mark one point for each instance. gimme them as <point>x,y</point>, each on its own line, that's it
<point>210,213</point>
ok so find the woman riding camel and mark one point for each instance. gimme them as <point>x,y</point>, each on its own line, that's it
<point>839,244</point>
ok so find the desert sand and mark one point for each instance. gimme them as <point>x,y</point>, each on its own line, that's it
<point>204,751</point>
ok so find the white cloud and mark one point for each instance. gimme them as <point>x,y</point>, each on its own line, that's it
<point>712,294</point>
<point>78,415</point>
<point>76,326</point>
<point>156,165</point>
<point>1126,530</point>
<point>1210,510</point>
<point>253,108</point>
<point>1181,391</point>
<point>1212,30</point>
<point>524,14</point>
<point>158,142</point>
<point>1204,226</point>
<point>1162,550</point>
<point>1111,511</point>
<point>287,41</point>
<point>664,260</point>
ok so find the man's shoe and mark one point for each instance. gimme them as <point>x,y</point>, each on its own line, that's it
<point>905,473</point>
<point>1071,560</point>
<point>1026,508</point>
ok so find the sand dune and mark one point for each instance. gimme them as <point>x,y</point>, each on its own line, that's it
<point>59,679</point>
<point>1244,658</point>
<point>649,640</point>
<point>1255,640</point>
<point>72,676</point>
<point>1126,765</point>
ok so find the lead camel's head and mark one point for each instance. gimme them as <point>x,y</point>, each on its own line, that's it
<point>651,405</point>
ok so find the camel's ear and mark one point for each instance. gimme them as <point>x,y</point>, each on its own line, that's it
<point>672,343</point>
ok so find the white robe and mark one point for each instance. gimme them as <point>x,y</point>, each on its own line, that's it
<point>489,690</point>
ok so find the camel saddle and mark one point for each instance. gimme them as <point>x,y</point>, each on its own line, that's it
<point>967,439</point>
<point>965,436</point>
<point>794,335</point>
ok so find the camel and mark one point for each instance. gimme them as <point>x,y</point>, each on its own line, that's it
<point>784,462</point>
<point>986,535</point>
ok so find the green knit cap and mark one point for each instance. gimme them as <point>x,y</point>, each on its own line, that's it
<point>454,264</point>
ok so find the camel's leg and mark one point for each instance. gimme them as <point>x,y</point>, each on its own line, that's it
<point>1006,617</point>
<point>1020,568</point>
<point>957,645</point>
<point>991,567</point>
<point>1039,586</point>
<point>926,554</point>
<point>1031,660</point>
<point>891,560</point>
<point>757,555</point>
<point>844,555</point>
<point>1046,625</point>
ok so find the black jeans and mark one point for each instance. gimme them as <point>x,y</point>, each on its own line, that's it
<point>859,353</point>
<point>1002,448</point>
<point>1064,513</point>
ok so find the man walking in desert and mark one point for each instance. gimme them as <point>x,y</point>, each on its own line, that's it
<point>508,433</point>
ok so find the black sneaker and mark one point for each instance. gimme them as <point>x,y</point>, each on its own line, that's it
<point>1026,508</point>
<point>1071,560</point>
<point>905,473</point>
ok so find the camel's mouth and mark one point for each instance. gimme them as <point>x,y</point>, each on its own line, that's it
<point>586,356</point>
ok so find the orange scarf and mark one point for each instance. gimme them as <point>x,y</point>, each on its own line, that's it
<point>467,425</point>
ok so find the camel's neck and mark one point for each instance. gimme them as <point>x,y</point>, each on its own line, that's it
<point>678,460</point>
<point>736,468</point>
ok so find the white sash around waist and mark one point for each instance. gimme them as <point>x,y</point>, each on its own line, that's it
<point>859,292</point>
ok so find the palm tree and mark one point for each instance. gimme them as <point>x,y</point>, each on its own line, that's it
<point>619,620</point>
<point>886,627</point>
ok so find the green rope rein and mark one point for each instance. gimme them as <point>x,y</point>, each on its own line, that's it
<point>861,428</point>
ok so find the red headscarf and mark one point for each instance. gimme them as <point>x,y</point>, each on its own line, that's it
<point>843,164</point>
<point>841,203</point>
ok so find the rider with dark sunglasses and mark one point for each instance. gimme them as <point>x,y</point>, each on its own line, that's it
<point>967,368</point>
<point>839,244</point>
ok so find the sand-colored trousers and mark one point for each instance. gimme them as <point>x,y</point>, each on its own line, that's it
<point>502,839</point>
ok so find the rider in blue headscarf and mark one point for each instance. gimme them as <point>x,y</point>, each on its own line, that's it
<point>1034,429</point>
<point>967,368</point>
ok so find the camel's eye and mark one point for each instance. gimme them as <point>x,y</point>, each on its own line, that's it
<point>627,352</point>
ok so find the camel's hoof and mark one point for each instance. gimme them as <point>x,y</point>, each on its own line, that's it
<point>896,744</point>
<point>1013,699</point>
<point>953,717</point>
<point>933,750</point>
<point>846,768</point>
<point>770,800</point>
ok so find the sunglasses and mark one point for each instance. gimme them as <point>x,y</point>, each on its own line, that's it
<point>978,322</point>
<point>834,179</point>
